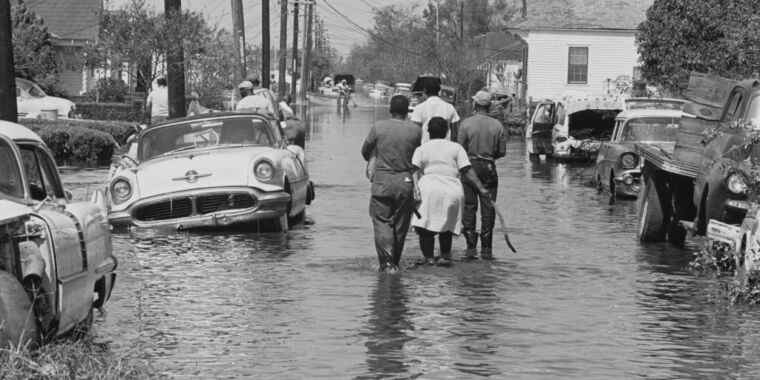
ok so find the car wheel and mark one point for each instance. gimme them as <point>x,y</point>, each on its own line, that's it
<point>19,324</point>
<point>651,215</point>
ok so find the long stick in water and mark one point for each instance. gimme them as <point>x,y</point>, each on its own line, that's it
<point>503,225</point>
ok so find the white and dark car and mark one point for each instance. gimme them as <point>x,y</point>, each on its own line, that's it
<point>207,171</point>
<point>55,254</point>
<point>31,101</point>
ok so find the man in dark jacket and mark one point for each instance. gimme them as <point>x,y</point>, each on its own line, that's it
<point>391,144</point>
<point>484,140</point>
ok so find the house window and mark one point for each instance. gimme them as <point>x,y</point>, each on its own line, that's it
<point>577,68</point>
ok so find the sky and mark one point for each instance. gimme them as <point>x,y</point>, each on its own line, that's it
<point>342,34</point>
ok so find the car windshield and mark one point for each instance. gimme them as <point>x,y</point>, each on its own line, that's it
<point>30,88</point>
<point>234,131</point>
<point>10,176</point>
<point>650,129</point>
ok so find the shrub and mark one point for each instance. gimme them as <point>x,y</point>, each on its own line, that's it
<point>111,111</point>
<point>76,145</point>
<point>108,90</point>
<point>119,130</point>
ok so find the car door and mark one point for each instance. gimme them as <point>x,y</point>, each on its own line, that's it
<point>74,290</point>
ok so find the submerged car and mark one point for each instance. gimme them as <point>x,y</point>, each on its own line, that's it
<point>55,254</point>
<point>210,171</point>
<point>32,102</point>
<point>618,166</point>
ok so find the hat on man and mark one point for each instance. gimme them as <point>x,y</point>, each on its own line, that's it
<point>245,84</point>
<point>482,98</point>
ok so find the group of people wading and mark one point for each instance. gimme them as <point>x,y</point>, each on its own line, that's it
<point>431,173</point>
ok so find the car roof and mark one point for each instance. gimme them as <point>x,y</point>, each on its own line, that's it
<point>649,112</point>
<point>17,131</point>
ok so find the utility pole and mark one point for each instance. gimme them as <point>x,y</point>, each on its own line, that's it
<point>175,65</point>
<point>305,80</point>
<point>265,50</point>
<point>8,110</point>
<point>283,47</point>
<point>238,39</point>
<point>294,67</point>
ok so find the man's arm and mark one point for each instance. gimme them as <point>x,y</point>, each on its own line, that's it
<point>368,148</point>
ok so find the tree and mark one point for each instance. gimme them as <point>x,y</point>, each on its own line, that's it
<point>33,53</point>
<point>713,36</point>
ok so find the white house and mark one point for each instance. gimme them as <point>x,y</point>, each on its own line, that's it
<point>580,47</point>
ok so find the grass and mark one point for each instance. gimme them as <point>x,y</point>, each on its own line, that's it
<point>71,359</point>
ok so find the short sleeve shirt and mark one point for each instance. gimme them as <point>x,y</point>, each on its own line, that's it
<point>159,102</point>
<point>430,108</point>
<point>440,156</point>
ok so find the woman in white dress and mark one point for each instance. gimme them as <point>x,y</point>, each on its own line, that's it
<point>439,191</point>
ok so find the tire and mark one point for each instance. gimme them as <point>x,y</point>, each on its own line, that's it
<point>16,316</point>
<point>651,215</point>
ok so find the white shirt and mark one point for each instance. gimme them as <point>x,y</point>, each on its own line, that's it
<point>159,101</point>
<point>260,99</point>
<point>430,108</point>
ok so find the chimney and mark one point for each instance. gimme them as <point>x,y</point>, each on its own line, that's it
<point>524,8</point>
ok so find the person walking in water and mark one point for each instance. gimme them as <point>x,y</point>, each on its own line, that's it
<point>432,107</point>
<point>484,140</point>
<point>439,164</point>
<point>390,144</point>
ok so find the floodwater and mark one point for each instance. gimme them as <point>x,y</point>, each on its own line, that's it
<point>581,298</point>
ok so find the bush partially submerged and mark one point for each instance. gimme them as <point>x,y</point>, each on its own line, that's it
<point>70,359</point>
<point>111,111</point>
<point>75,145</point>
<point>120,130</point>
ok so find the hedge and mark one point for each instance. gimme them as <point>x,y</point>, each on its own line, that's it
<point>118,129</point>
<point>75,145</point>
<point>111,111</point>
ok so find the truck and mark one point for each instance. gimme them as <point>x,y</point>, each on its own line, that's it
<point>701,178</point>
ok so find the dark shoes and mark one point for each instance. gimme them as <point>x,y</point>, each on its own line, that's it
<point>444,261</point>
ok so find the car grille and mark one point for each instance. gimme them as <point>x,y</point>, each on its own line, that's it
<point>182,207</point>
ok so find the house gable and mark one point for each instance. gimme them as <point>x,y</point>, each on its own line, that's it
<point>583,14</point>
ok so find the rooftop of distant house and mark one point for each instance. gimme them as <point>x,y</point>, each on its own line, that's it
<point>69,19</point>
<point>583,15</point>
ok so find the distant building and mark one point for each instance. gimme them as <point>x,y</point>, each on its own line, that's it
<point>73,24</point>
<point>580,46</point>
<point>501,59</point>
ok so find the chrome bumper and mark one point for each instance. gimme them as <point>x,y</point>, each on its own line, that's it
<point>628,183</point>
<point>269,205</point>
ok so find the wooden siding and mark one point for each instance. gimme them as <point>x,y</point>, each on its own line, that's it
<point>610,55</point>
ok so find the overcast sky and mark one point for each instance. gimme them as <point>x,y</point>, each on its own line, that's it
<point>342,34</point>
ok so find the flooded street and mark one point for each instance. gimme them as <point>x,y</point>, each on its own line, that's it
<point>581,298</point>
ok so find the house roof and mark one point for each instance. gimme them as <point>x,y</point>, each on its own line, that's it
<point>584,15</point>
<point>69,19</point>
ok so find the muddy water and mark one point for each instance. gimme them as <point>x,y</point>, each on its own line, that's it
<point>581,299</point>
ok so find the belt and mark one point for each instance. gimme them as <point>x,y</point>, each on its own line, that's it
<point>386,170</point>
<point>481,158</point>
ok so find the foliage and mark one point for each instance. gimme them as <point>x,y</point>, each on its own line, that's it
<point>34,57</point>
<point>108,90</point>
<point>70,359</point>
<point>119,130</point>
<point>74,144</point>
<point>125,112</point>
<point>715,36</point>
<point>407,41</point>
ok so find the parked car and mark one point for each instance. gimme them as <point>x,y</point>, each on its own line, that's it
<point>31,101</point>
<point>618,165</point>
<point>210,171</point>
<point>55,254</point>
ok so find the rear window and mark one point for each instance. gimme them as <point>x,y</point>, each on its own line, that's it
<point>10,175</point>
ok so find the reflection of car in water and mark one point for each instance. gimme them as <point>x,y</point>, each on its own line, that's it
<point>618,166</point>
<point>210,171</point>
<point>55,254</point>
<point>31,101</point>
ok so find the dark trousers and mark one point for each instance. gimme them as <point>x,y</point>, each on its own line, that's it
<point>391,210</point>
<point>486,172</point>
<point>427,243</point>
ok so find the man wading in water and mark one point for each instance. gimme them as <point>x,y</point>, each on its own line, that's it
<point>484,140</point>
<point>392,143</point>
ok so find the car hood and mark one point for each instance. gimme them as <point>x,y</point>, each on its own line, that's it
<point>12,211</point>
<point>211,168</point>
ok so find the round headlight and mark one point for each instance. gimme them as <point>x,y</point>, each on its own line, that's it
<point>121,190</point>
<point>264,171</point>
<point>629,160</point>
<point>736,183</point>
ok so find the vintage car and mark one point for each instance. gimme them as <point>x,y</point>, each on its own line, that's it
<point>55,255</point>
<point>618,166</point>
<point>210,171</point>
<point>538,132</point>
<point>32,102</point>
